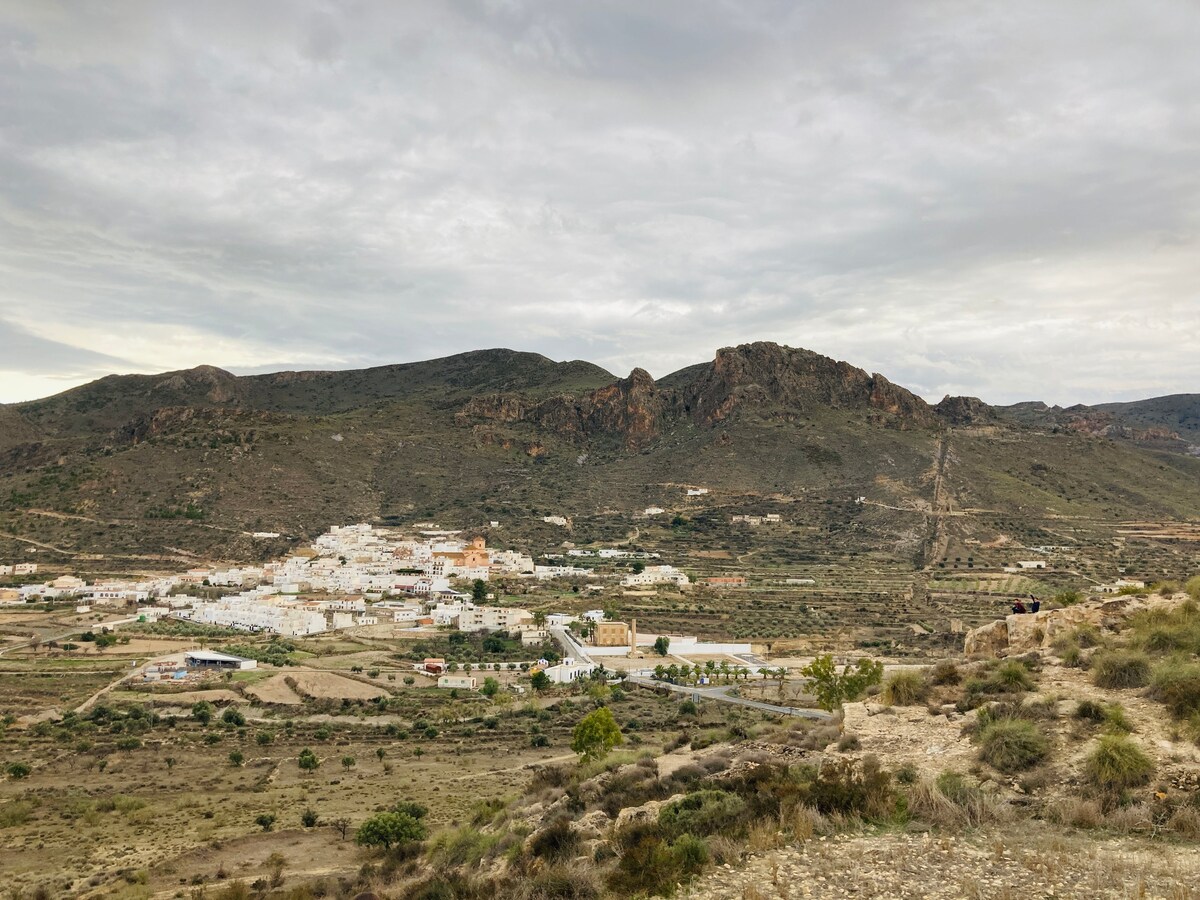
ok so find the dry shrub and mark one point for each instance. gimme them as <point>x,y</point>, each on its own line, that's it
<point>750,892</point>
<point>725,850</point>
<point>1185,822</point>
<point>1177,685</point>
<point>1121,669</point>
<point>764,835</point>
<point>802,821</point>
<point>1076,812</point>
<point>558,882</point>
<point>951,801</point>
<point>945,673</point>
<point>905,689</point>
<point>1130,819</point>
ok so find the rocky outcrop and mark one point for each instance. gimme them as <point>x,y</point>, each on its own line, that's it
<point>631,409</point>
<point>784,381</point>
<point>965,411</point>
<point>1016,634</point>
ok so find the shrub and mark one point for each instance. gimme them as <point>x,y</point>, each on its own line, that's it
<point>1089,710</point>
<point>849,742</point>
<point>1118,764</point>
<point>465,846</point>
<point>905,688</point>
<point>388,828</point>
<point>945,672</point>
<point>560,883</point>
<point>832,688</point>
<point>1011,677</point>
<point>1120,669</point>
<point>1177,685</point>
<point>1115,720</point>
<point>555,843</point>
<point>951,801</point>
<point>702,813</point>
<point>851,789</point>
<point>1012,745</point>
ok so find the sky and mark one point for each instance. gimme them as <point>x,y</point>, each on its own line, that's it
<point>993,199</point>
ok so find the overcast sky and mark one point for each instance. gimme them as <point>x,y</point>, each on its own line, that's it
<point>995,199</point>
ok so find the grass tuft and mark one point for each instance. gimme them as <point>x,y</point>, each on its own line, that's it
<point>1118,764</point>
<point>1013,745</point>
<point>1121,669</point>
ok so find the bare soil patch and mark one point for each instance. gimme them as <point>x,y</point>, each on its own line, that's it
<point>274,690</point>
<point>328,685</point>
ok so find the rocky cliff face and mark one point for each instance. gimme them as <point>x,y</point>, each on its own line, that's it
<point>965,411</point>
<point>631,409</point>
<point>781,380</point>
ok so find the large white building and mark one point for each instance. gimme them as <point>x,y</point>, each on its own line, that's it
<point>493,618</point>
<point>656,575</point>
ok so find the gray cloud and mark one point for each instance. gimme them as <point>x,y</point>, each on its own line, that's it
<point>994,199</point>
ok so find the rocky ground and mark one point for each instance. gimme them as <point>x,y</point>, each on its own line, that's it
<point>1036,861</point>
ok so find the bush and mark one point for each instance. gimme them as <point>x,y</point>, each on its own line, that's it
<point>1012,677</point>
<point>702,813</point>
<point>1118,764</point>
<point>906,688</point>
<point>466,846</point>
<point>555,843</point>
<point>945,672</point>
<point>852,789</point>
<point>1012,745</point>
<point>1090,711</point>
<point>561,883</point>
<point>1119,669</point>
<point>388,828</point>
<point>1177,685</point>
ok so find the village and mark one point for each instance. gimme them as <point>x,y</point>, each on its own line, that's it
<point>382,583</point>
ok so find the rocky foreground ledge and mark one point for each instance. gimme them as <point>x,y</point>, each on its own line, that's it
<point>1016,634</point>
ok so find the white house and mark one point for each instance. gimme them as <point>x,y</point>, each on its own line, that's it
<point>656,575</point>
<point>457,681</point>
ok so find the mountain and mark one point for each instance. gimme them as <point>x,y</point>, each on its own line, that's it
<point>1169,423</point>
<point>151,470</point>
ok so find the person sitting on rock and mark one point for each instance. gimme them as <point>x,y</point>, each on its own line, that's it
<point>1034,603</point>
<point>1019,607</point>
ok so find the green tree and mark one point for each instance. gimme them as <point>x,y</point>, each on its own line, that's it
<point>832,688</point>
<point>308,761</point>
<point>479,590</point>
<point>596,734</point>
<point>540,680</point>
<point>348,763</point>
<point>202,712</point>
<point>232,716</point>
<point>309,818</point>
<point>637,567</point>
<point>265,821</point>
<point>236,758</point>
<point>661,644</point>
<point>491,687</point>
<point>388,828</point>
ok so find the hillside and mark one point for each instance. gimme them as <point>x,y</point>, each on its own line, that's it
<point>155,470</point>
<point>1162,423</point>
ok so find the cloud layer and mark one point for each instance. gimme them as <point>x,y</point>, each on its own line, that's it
<point>992,199</point>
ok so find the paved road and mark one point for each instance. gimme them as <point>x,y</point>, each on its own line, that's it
<point>723,695</point>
